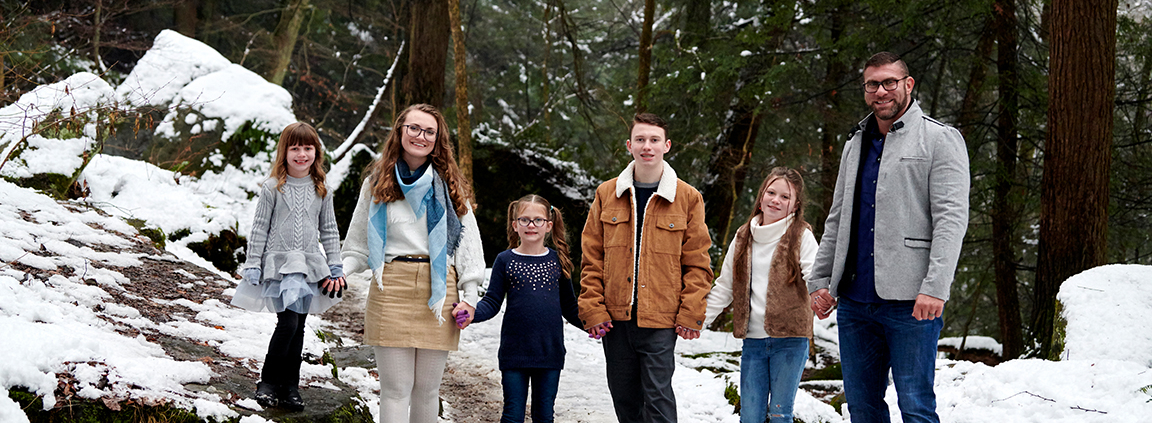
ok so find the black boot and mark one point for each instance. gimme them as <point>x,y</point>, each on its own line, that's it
<point>289,392</point>
<point>269,386</point>
<point>290,398</point>
<point>266,394</point>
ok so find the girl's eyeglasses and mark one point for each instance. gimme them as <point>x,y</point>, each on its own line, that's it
<point>416,131</point>
<point>525,222</point>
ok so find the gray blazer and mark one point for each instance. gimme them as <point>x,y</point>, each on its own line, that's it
<point>921,210</point>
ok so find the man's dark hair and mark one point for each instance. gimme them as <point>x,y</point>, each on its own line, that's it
<point>650,119</point>
<point>886,58</point>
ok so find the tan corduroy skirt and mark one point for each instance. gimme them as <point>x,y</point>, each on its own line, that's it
<point>399,316</point>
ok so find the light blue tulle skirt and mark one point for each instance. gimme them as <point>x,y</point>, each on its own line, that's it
<point>293,293</point>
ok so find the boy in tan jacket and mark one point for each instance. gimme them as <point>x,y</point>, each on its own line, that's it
<point>644,274</point>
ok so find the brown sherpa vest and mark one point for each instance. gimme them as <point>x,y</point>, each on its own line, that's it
<point>786,312</point>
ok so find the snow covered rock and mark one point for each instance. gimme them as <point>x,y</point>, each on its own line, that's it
<point>1104,312</point>
<point>48,136</point>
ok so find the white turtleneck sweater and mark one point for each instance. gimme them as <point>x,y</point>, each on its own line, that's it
<point>764,241</point>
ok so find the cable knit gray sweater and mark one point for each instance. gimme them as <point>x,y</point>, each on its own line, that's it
<point>286,228</point>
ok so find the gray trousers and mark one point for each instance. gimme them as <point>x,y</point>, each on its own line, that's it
<point>640,363</point>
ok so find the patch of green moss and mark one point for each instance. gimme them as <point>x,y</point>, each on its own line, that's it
<point>327,359</point>
<point>732,394</point>
<point>78,410</point>
<point>221,249</point>
<point>1059,333</point>
<point>153,233</point>
<point>180,234</point>
<point>832,372</point>
<point>713,354</point>
<point>838,403</point>
<point>53,184</point>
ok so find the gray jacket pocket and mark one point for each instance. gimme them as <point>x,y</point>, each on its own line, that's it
<point>917,243</point>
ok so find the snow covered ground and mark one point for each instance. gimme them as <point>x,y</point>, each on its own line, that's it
<point>57,284</point>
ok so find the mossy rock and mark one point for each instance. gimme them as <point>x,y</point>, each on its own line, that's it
<point>96,411</point>
<point>223,250</point>
<point>188,152</point>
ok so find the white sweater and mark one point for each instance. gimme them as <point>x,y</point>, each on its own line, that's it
<point>408,235</point>
<point>764,241</point>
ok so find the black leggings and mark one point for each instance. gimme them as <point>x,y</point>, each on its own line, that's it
<point>288,338</point>
<point>282,364</point>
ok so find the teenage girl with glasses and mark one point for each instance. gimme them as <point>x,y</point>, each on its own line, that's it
<point>414,227</point>
<point>537,281</point>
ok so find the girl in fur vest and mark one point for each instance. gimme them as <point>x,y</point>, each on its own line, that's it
<point>763,278</point>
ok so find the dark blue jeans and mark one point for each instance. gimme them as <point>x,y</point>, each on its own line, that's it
<point>640,362</point>
<point>876,338</point>
<point>544,385</point>
<point>770,370</point>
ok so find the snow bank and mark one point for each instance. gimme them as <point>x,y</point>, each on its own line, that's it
<point>172,63</point>
<point>1107,310</point>
<point>81,94</point>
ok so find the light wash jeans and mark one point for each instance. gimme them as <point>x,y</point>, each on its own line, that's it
<point>770,370</point>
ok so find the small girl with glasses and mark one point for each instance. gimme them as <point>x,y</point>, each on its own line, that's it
<point>537,282</point>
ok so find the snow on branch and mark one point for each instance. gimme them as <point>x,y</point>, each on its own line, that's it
<point>343,148</point>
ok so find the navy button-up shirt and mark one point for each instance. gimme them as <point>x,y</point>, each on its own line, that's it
<point>859,281</point>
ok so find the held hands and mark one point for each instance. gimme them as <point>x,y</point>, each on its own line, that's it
<point>687,333</point>
<point>927,307</point>
<point>333,287</point>
<point>823,303</point>
<point>598,331</point>
<point>463,313</point>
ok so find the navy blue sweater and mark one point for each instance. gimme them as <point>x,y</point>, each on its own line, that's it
<point>540,298</point>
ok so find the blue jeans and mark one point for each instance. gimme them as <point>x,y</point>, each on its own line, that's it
<point>544,385</point>
<point>770,370</point>
<point>877,337</point>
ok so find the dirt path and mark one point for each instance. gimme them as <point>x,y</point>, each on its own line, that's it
<point>468,392</point>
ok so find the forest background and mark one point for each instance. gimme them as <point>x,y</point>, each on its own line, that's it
<point>1053,98</point>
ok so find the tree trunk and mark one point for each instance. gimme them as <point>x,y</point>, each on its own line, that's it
<point>1005,218</point>
<point>428,54</point>
<point>836,73</point>
<point>645,64</point>
<point>184,12</point>
<point>969,115</point>
<point>545,80</point>
<point>463,125</point>
<point>96,25</point>
<point>1077,157</point>
<point>729,168</point>
<point>284,39</point>
<point>696,21</point>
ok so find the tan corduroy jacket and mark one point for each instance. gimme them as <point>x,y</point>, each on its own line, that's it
<point>674,271</point>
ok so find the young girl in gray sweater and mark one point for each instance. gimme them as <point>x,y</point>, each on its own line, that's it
<point>286,272</point>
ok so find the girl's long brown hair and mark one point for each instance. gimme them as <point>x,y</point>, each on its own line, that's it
<point>558,235</point>
<point>788,250</point>
<point>384,185</point>
<point>294,134</point>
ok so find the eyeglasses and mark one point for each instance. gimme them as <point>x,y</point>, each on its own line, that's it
<point>889,85</point>
<point>416,131</point>
<point>525,222</point>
